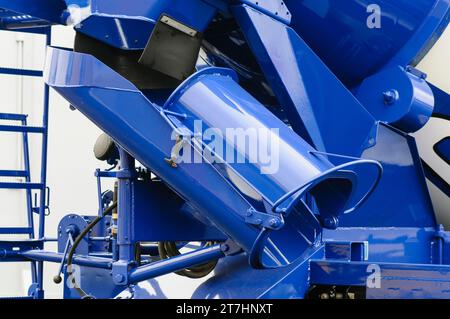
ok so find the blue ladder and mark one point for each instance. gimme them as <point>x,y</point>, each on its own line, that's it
<point>34,241</point>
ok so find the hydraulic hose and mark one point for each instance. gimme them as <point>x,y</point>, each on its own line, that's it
<point>77,241</point>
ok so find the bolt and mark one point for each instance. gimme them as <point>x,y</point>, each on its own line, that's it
<point>225,248</point>
<point>330,223</point>
<point>390,97</point>
<point>119,278</point>
<point>274,222</point>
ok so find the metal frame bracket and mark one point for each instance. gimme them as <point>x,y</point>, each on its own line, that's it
<point>120,271</point>
<point>276,9</point>
<point>264,220</point>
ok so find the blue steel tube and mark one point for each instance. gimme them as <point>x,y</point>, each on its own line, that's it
<point>235,196</point>
<point>41,256</point>
<point>177,263</point>
<point>42,198</point>
<point>124,208</point>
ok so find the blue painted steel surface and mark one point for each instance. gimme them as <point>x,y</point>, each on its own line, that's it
<point>13,117</point>
<point>88,261</point>
<point>234,105</point>
<point>196,13</point>
<point>338,32</point>
<point>233,276</point>
<point>412,281</point>
<point>442,107</point>
<point>273,8</point>
<point>25,185</point>
<point>155,221</point>
<point>25,174</point>
<point>13,21</point>
<point>16,230</point>
<point>72,224</point>
<point>21,128</point>
<point>234,273</point>
<point>11,71</point>
<point>91,279</point>
<point>49,10</point>
<point>399,98</point>
<point>7,19</point>
<point>402,198</point>
<point>125,245</point>
<point>393,245</point>
<point>347,250</point>
<point>237,109</point>
<point>21,22</point>
<point>13,173</point>
<point>43,194</point>
<point>121,25</point>
<point>269,215</point>
<point>10,250</point>
<point>310,93</point>
<point>177,263</point>
<point>348,130</point>
<point>125,33</point>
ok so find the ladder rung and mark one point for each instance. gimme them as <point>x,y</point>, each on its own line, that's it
<point>16,230</point>
<point>8,185</point>
<point>21,128</point>
<point>13,117</point>
<point>11,173</point>
<point>12,71</point>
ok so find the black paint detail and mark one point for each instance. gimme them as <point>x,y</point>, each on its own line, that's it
<point>436,179</point>
<point>442,149</point>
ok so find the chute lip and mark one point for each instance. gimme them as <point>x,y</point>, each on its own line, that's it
<point>194,78</point>
<point>343,171</point>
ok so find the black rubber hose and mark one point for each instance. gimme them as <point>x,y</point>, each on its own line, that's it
<point>78,240</point>
<point>169,249</point>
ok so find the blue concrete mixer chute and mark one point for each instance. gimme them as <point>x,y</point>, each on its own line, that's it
<point>276,135</point>
<point>237,197</point>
